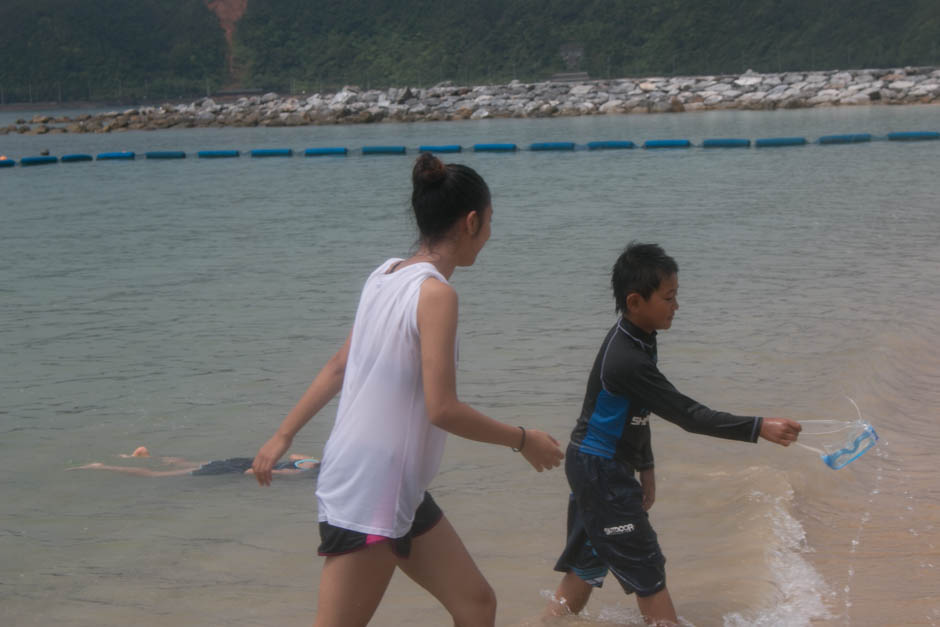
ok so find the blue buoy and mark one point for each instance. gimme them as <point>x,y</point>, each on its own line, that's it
<point>611,145</point>
<point>494,148</point>
<point>7,163</point>
<point>773,142</point>
<point>42,160</point>
<point>543,146</point>
<point>913,136</point>
<point>852,138</point>
<point>116,156</point>
<point>445,148</point>
<point>272,152</point>
<point>383,150</point>
<point>726,142</point>
<point>75,158</point>
<point>217,154</point>
<point>667,143</point>
<point>324,152</point>
<point>166,154</point>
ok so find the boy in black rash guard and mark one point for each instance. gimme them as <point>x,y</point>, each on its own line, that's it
<point>608,527</point>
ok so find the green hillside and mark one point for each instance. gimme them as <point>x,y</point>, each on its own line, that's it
<point>383,42</point>
<point>86,50</point>
<point>153,49</point>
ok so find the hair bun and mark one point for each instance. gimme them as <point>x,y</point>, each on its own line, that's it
<point>429,170</point>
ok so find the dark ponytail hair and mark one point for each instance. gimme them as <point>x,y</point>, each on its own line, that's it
<point>443,194</point>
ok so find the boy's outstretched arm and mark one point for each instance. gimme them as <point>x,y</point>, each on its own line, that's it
<point>653,390</point>
<point>782,431</point>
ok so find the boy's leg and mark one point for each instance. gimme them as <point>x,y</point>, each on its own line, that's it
<point>352,584</point>
<point>582,566</point>
<point>439,562</point>
<point>570,597</point>
<point>657,609</point>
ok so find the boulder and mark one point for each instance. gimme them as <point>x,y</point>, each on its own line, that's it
<point>403,96</point>
<point>343,97</point>
<point>547,110</point>
<point>661,106</point>
<point>856,99</point>
<point>840,80</point>
<point>748,81</point>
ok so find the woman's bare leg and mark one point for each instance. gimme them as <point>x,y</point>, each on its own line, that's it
<point>351,586</point>
<point>440,564</point>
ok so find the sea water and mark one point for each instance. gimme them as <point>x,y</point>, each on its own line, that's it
<point>186,305</point>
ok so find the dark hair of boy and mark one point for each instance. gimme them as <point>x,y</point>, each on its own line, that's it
<point>640,268</point>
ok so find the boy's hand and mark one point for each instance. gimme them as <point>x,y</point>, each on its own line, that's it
<point>782,431</point>
<point>648,481</point>
<point>541,450</point>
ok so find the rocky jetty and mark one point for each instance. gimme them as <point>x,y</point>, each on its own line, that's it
<point>352,105</point>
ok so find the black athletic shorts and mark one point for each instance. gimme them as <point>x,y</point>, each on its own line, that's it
<point>336,540</point>
<point>608,528</point>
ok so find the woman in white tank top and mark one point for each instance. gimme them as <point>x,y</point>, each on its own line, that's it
<point>397,375</point>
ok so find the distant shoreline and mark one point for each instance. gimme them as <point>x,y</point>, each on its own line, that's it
<point>446,101</point>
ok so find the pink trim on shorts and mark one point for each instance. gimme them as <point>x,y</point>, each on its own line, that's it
<point>374,539</point>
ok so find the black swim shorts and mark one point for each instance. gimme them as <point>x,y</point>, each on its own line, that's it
<point>336,540</point>
<point>233,465</point>
<point>608,528</point>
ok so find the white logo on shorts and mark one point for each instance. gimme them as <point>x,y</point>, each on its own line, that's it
<point>615,531</point>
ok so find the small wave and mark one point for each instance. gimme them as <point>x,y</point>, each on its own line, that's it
<point>800,591</point>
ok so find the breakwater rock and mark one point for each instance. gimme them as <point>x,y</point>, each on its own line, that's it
<point>350,105</point>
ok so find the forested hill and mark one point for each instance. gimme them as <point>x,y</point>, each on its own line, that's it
<point>90,49</point>
<point>425,41</point>
<point>152,48</point>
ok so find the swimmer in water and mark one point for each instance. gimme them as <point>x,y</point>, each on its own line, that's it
<point>296,465</point>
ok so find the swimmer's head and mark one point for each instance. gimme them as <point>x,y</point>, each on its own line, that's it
<point>140,451</point>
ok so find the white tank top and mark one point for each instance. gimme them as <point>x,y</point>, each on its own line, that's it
<point>383,451</point>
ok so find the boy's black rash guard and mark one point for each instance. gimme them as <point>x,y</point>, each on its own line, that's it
<point>625,386</point>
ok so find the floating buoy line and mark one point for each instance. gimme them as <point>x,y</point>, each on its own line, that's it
<point>553,146</point>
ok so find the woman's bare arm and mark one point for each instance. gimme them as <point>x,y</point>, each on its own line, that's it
<point>326,385</point>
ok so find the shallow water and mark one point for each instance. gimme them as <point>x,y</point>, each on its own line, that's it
<point>185,305</point>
